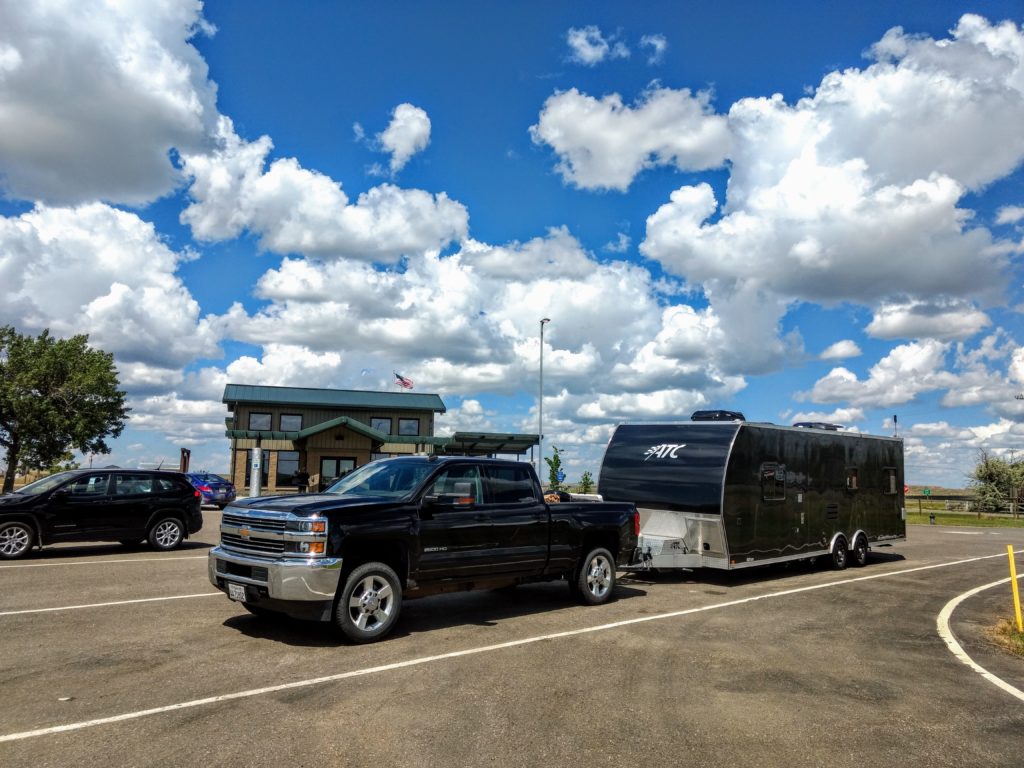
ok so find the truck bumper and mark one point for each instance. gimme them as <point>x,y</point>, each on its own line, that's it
<point>301,588</point>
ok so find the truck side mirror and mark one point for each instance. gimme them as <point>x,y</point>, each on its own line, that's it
<point>460,496</point>
<point>464,491</point>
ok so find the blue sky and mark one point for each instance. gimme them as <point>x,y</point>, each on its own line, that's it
<point>812,215</point>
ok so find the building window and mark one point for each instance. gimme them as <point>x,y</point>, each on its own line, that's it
<point>773,481</point>
<point>287,466</point>
<point>259,421</point>
<point>375,456</point>
<point>264,468</point>
<point>291,422</point>
<point>380,424</point>
<point>408,426</point>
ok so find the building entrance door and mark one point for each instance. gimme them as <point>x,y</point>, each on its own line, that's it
<point>333,467</point>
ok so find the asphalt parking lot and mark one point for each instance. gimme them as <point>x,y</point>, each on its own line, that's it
<point>127,657</point>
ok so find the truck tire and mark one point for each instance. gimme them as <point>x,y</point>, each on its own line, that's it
<point>594,582</point>
<point>860,552</point>
<point>368,605</point>
<point>840,555</point>
<point>166,534</point>
<point>15,539</point>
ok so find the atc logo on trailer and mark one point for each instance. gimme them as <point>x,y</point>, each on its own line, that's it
<point>664,451</point>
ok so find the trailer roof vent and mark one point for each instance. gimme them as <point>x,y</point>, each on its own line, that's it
<point>819,425</point>
<point>717,416</point>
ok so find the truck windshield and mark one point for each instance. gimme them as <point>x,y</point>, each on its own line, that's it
<point>383,478</point>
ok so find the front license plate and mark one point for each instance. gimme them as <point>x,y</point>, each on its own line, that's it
<point>236,592</point>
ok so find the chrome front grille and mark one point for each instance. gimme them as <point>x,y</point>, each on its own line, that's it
<point>268,533</point>
<point>254,522</point>
<point>251,544</point>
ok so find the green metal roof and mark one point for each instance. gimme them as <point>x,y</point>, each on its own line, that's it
<point>332,398</point>
<point>486,443</point>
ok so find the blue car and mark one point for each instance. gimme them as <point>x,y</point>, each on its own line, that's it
<point>214,488</point>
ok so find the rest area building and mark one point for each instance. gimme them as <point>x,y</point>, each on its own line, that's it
<point>329,432</point>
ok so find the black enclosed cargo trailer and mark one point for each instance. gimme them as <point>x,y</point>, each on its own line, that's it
<point>736,494</point>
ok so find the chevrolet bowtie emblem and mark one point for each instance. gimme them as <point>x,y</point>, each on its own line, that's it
<point>243,532</point>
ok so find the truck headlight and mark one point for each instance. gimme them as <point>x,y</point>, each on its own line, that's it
<point>313,525</point>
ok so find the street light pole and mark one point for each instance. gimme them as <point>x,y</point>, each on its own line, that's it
<point>540,400</point>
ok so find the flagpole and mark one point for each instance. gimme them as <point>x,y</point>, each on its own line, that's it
<point>540,401</point>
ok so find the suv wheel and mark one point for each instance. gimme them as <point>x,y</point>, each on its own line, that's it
<point>167,533</point>
<point>15,539</point>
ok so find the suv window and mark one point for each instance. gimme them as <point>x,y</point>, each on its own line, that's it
<point>89,485</point>
<point>131,484</point>
<point>170,484</point>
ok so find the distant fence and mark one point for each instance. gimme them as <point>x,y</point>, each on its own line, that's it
<point>949,503</point>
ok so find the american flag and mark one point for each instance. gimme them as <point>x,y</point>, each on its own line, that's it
<point>401,381</point>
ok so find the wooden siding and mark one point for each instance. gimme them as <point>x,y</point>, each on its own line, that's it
<point>336,442</point>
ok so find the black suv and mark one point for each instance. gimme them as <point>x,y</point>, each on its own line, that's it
<point>126,505</point>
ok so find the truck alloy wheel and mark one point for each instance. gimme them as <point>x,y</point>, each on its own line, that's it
<point>15,539</point>
<point>369,604</point>
<point>596,578</point>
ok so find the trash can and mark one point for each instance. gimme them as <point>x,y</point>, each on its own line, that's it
<point>931,519</point>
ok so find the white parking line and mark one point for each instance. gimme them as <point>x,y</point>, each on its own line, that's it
<point>457,654</point>
<point>106,562</point>
<point>105,605</point>
<point>947,634</point>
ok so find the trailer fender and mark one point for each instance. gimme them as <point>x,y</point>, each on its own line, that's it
<point>859,553</point>
<point>839,535</point>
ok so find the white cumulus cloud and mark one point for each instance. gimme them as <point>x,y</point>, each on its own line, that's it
<point>907,371</point>
<point>657,44</point>
<point>96,94</point>
<point>944,320</point>
<point>840,350</point>
<point>589,47</point>
<point>406,134</point>
<point>295,210</point>
<point>105,272</point>
<point>604,143</point>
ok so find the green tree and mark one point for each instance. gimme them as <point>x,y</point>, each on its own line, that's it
<point>554,465</point>
<point>63,463</point>
<point>56,395</point>
<point>586,484</point>
<point>995,481</point>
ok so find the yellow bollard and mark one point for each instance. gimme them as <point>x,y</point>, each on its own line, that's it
<point>1016,592</point>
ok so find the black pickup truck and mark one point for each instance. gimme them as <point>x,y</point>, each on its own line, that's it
<point>410,527</point>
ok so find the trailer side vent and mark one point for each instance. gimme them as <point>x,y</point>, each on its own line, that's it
<point>717,416</point>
